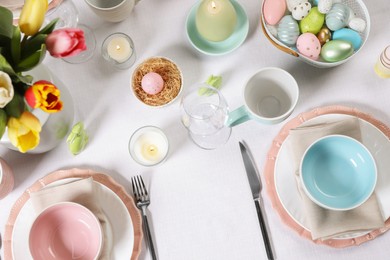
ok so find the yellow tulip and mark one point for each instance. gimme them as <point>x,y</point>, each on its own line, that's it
<point>23,132</point>
<point>32,16</point>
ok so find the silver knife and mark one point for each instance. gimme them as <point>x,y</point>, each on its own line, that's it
<point>255,184</point>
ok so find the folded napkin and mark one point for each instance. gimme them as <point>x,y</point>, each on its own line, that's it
<point>324,223</point>
<point>80,191</point>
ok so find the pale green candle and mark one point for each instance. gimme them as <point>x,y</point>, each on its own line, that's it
<point>216,19</point>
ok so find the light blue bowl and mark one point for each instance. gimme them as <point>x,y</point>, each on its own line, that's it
<point>338,172</point>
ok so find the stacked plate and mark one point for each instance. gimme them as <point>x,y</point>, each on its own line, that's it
<point>123,229</point>
<point>279,171</point>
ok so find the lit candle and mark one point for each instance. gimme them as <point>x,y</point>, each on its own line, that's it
<point>149,145</point>
<point>118,50</point>
<point>216,19</point>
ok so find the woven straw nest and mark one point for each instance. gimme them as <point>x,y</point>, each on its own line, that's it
<point>169,72</point>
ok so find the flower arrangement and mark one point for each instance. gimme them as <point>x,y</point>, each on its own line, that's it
<point>22,47</point>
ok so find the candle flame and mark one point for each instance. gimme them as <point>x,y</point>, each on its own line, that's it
<point>150,151</point>
<point>117,47</point>
<point>152,148</point>
<point>213,5</point>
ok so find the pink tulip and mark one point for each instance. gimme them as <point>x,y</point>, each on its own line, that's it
<point>65,42</point>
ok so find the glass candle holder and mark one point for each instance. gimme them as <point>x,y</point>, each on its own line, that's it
<point>118,50</point>
<point>149,146</point>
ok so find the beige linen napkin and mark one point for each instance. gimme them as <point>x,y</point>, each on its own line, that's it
<point>326,223</point>
<point>79,191</point>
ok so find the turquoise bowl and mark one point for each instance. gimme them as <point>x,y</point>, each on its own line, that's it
<point>338,172</point>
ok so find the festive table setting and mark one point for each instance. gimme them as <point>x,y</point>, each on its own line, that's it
<point>138,127</point>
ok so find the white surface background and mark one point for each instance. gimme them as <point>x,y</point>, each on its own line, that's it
<point>201,202</point>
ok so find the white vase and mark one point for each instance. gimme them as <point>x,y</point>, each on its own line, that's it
<point>55,126</point>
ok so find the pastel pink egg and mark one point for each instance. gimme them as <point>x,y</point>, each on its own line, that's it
<point>152,83</point>
<point>274,10</point>
<point>309,45</point>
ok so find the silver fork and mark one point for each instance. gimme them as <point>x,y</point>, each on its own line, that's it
<point>142,201</point>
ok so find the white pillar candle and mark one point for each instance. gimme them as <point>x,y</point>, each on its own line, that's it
<point>148,146</point>
<point>119,49</point>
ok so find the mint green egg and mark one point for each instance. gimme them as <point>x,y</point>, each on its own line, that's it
<point>312,22</point>
<point>336,50</point>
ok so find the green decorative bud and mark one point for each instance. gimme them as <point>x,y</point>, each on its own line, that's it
<point>77,139</point>
<point>214,81</point>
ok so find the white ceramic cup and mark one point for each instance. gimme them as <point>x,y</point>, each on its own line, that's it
<point>6,179</point>
<point>270,96</point>
<point>112,10</point>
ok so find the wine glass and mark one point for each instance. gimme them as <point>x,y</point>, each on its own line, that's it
<point>67,14</point>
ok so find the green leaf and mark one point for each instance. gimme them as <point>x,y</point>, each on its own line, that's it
<point>16,107</point>
<point>213,81</point>
<point>3,122</point>
<point>6,67</point>
<point>26,79</point>
<point>15,45</point>
<point>6,20</point>
<point>33,45</point>
<point>33,60</point>
<point>49,27</point>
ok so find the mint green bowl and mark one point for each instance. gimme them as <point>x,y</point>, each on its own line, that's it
<point>222,47</point>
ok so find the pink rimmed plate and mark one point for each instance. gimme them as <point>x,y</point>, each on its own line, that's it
<point>280,180</point>
<point>124,217</point>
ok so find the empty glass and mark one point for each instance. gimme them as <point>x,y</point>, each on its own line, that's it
<point>204,113</point>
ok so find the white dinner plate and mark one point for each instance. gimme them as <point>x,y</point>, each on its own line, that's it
<point>120,230</point>
<point>285,184</point>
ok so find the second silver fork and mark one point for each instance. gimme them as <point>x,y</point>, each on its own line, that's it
<point>142,201</point>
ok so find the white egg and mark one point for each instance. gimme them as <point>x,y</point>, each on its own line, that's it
<point>301,11</point>
<point>351,14</point>
<point>324,6</point>
<point>357,24</point>
<point>292,3</point>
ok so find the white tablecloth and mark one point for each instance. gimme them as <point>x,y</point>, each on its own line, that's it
<point>201,202</point>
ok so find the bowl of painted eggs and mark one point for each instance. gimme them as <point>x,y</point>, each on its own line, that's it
<point>323,33</point>
<point>157,81</point>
